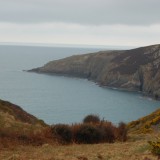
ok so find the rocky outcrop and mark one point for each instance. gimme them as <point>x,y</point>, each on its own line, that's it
<point>137,69</point>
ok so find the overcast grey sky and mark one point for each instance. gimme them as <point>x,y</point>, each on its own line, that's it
<point>93,22</point>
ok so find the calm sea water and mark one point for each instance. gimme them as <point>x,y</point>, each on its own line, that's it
<point>58,99</point>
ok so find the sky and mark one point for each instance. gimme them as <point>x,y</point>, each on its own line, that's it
<point>88,22</point>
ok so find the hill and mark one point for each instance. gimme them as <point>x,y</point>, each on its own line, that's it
<point>23,136</point>
<point>147,124</point>
<point>17,114</point>
<point>136,69</point>
<point>18,126</point>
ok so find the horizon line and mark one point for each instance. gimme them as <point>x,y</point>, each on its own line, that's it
<point>67,45</point>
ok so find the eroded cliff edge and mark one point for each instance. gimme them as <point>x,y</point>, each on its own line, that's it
<point>136,69</point>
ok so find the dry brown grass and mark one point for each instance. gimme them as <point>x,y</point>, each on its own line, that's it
<point>24,140</point>
<point>137,150</point>
<point>19,127</point>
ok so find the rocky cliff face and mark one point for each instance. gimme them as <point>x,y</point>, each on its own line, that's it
<point>137,69</point>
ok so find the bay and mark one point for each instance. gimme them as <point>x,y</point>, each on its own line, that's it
<point>59,99</point>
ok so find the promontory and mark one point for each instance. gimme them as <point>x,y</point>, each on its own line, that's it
<point>136,69</point>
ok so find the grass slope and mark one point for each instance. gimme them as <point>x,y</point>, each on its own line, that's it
<point>138,150</point>
<point>147,124</point>
<point>17,128</point>
<point>18,114</point>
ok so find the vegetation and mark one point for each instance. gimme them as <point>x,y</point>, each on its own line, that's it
<point>18,113</point>
<point>19,127</point>
<point>89,133</point>
<point>155,146</point>
<point>62,133</point>
<point>108,132</point>
<point>25,137</point>
<point>91,119</point>
<point>104,151</point>
<point>122,132</point>
<point>145,124</point>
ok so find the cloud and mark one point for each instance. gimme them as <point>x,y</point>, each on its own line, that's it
<point>63,33</point>
<point>95,22</point>
<point>86,12</point>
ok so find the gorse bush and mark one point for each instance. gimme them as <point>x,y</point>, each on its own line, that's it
<point>62,133</point>
<point>144,124</point>
<point>155,146</point>
<point>91,119</point>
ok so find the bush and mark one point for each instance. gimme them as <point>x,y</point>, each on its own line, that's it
<point>155,147</point>
<point>91,119</point>
<point>87,134</point>
<point>62,133</point>
<point>107,133</point>
<point>122,132</point>
<point>91,131</point>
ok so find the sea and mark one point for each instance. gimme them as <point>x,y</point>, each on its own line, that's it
<point>60,99</point>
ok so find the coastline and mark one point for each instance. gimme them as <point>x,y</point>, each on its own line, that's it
<point>145,94</point>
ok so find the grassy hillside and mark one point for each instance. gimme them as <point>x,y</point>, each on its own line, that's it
<point>23,137</point>
<point>19,127</point>
<point>147,124</point>
<point>17,113</point>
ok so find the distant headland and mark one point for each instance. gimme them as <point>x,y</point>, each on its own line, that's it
<point>135,69</point>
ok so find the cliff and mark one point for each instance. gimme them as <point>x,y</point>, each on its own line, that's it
<point>135,69</point>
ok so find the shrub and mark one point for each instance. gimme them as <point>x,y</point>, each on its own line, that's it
<point>87,134</point>
<point>91,119</point>
<point>75,129</point>
<point>34,139</point>
<point>122,132</point>
<point>91,131</point>
<point>107,133</point>
<point>24,138</point>
<point>155,147</point>
<point>62,133</point>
